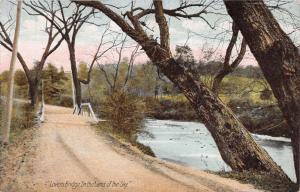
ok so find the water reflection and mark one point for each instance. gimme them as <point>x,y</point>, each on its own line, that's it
<point>189,143</point>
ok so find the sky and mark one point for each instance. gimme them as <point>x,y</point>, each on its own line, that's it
<point>196,33</point>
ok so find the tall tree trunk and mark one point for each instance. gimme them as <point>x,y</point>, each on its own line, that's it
<point>76,81</point>
<point>278,58</point>
<point>33,91</point>
<point>34,79</point>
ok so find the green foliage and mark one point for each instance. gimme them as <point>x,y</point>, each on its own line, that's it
<point>66,101</point>
<point>83,70</point>
<point>254,90</point>
<point>124,111</point>
<point>4,76</point>
<point>266,94</point>
<point>169,108</point>
<point>53,84</point>
<point>21,84</point>
<point>145,81</point>
<point>20,78</point>
<point>184,56</point>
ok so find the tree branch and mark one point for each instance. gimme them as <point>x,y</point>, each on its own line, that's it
<point>163,25</point>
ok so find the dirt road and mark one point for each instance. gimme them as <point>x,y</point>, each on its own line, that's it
<point>70,156</point>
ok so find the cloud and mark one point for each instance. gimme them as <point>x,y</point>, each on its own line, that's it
<point>33,29</point>
<point>114,27</point>
<point>193,25</point>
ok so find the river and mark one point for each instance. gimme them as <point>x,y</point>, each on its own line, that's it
<point>190,144</point>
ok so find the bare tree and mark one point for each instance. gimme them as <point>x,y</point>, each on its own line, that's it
<point>278,58</point>
<point>33,75</point>
<point>227,67</point>
<point>113,79</point>
<point>103,47</point>
<point>67,25</point>
<point>237,147</point>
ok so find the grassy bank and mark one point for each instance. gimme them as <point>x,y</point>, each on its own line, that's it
<point>263,180</point>
<point>249,98</point>
<point>105,128</point>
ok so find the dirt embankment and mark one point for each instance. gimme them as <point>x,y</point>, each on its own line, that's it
<point>67,155</point>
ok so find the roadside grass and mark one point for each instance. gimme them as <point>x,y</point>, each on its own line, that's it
<point>23,118</point>
<point>105,128</point>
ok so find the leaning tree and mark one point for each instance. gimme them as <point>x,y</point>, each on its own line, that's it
<point>237,148</point>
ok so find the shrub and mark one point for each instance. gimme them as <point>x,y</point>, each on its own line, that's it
<point>66,101</point>
<point>266,94</point>
<point>23,117</point>
<point>169,109</point>
<point>240,103</point>
<point>124,111</point>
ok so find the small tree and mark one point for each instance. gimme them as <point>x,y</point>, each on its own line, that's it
<point>184,56</point>
<point>53,84</point>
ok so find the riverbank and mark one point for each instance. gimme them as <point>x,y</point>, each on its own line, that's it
<point>190,144</point>
<point>264,181</point>
<point>263,119</point>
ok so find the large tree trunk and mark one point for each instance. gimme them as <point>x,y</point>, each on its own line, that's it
<point>34,79</point>
<point>33,91</point>
<point>237,147</point>
<point>76,81</point>
<point>277,56</point>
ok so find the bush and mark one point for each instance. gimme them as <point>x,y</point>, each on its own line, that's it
<point>124,111</point>
<point>23,117</point>
<point>240,103</point>
<point>266,94</point>
<point>66,101</point>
